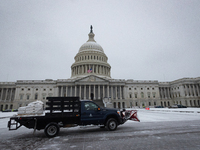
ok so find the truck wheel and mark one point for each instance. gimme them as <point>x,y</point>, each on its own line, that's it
<point>51,130</point>
<point>111,124</point>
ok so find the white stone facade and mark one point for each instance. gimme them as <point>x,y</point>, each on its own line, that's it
<point>91,79</point>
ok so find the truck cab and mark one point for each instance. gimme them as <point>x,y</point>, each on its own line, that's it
<point>91,113</point>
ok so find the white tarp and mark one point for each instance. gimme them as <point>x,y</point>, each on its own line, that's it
<point>32,108</point>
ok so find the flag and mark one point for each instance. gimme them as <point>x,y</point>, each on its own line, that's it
<point>90,70</point>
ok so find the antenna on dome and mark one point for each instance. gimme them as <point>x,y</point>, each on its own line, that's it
<point>91,29</point>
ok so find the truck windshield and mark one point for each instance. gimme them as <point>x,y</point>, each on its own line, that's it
<point>90,106</point>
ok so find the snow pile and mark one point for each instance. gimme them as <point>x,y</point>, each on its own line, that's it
<point>33,108</point>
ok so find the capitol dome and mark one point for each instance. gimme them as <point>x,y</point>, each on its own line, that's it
<point>90,60</point>
<point>92,46</point>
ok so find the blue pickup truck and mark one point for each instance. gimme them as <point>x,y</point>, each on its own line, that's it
<point>71,111</point>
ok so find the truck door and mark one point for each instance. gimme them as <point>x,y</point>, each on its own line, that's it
<point>90,113</point>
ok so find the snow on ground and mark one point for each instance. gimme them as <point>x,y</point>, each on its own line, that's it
<point>166,114</point>
<point>152,115</point>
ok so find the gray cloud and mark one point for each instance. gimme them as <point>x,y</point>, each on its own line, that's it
<point>144,40</point>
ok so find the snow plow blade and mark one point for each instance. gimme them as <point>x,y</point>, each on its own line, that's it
<point>131,115</point>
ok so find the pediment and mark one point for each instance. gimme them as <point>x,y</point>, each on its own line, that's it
<point>92,79</point>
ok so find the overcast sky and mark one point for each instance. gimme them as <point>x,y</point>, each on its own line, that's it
<point>143,39</point>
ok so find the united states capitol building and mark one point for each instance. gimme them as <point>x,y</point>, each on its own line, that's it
<point>91,79</point>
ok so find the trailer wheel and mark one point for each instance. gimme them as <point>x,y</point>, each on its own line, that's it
<point>111,124</point>
<point>51,130</point>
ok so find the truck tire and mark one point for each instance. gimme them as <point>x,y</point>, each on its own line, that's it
<point>52,129</point>
<point>111,124</point>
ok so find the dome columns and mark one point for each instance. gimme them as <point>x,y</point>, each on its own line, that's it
<point>96,69</point>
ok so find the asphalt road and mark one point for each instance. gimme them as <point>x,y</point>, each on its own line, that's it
<point>170,135</point>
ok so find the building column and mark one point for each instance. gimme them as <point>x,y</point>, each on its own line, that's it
<point>165,92</point>
<point>124,90</point>
<point>67,92</point>
<point>120,93</point>
<point>194,90</point>
<point>10,97</point>
<point>160,93</point>
<point>1,93</point>
<point>186,90</point>
<point>58,92</point>
<point>89,94</point>
<point>61,91</point>
<point>96,66</point>
<point>103,91</point>
<point>94,93</point>
<point>163,95</point>
<point>198,90</point>
<point>98,91</point>
<point>168,96</point>
<point>84,91</point>
<point>75,91</point>
<point>190,90</point>
<point>6,93</point>
<point>85,68</point>
<point>71,91</point>
<point>108,91</point>
<point>80,91</point>
<point>111,92</point>
<point>116,92</point>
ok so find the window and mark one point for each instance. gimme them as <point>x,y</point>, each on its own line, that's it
<point>129,88</point>
<point>135,88</point>
<point>154,95</point>
<point>44,89</point>
<point>152,88</point>
<point>130,96</point>
<point>148,95</point>
<point>135,95</point>
<point>36,96</point>
<point>27,97</point>
<point>22,89</point>
<point>90,106</point>
<point>147,88</point>
<point>142,95</point>
<point>141,88</point>
<point>28,89</point>
<point>21,96</point>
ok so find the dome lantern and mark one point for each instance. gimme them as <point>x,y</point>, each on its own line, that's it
<point>91,35</point>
